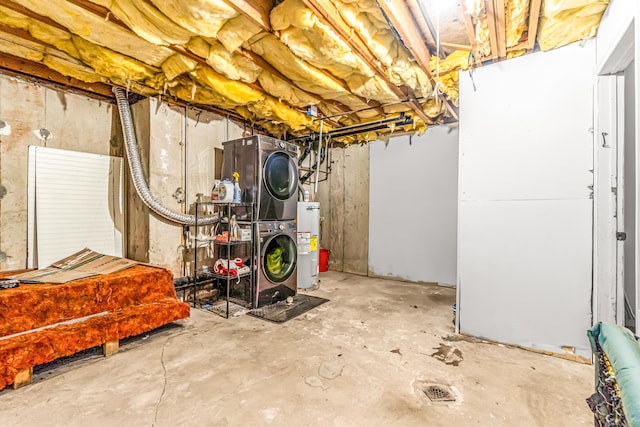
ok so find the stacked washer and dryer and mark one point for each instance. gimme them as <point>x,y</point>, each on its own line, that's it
<point>268,171</point>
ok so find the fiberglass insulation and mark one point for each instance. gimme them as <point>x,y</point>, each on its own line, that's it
<point>211,65</point>
<point>566,21</point>
<point>206,52</point>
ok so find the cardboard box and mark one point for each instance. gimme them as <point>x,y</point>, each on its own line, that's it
<point>244,234</point>
<point>84,263</point>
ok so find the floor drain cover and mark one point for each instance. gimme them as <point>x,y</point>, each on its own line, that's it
<point>439,393</point>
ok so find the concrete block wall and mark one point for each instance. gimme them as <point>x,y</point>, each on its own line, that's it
<point>167,135</point>
<point>344,210</point>
<point>75,122</point>
<point>83,124</point>
<point>390,208</point>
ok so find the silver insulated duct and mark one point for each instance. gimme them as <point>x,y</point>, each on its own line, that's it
<point>135,168</point>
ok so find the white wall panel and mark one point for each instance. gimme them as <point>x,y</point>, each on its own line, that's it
<point>78,203</point>
<point>526,272</point>
<point>526,131</point>
<point>413,207</point>
<point>525,220</point>
<point>75,123</point>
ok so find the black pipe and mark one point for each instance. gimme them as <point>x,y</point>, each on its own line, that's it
<point>358,128</point>
<point>407,121</point>
<point>188,280</point>
<point>305,177</point>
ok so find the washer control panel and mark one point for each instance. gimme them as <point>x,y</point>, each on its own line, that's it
<point>270,227</point>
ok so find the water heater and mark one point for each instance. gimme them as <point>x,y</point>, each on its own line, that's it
<point>308,243</point>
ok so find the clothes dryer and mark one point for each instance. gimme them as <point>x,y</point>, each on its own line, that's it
<point>268,171</point>
<point>276,278</point>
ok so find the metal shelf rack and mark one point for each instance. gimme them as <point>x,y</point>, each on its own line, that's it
<point>219,249</point>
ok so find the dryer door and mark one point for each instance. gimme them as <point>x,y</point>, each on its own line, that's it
<point>281,175</point>
<point>279,258</point>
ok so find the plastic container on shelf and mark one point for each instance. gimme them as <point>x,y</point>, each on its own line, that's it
<point>237,194</point>
<point>225,191</point>
<point>214,190</point>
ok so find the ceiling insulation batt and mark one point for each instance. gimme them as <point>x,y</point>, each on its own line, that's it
<point>304,75</point>
<point>237,31</point>
<point>205,52</point>
<point>204,17</point>
<point>321,47</point>
<point>446,70</point>
<point>339,55</point>
<point>369,23</point>
<point>147,22</point>
<point>26,49</point>
<point>516,17</point>
<point>68,54</point>
<point>478,13</point>
<point>96,30</point>
<point>566,21</point>
<point>283,90</point>
<point>232,65</point>
<point>233,91</point>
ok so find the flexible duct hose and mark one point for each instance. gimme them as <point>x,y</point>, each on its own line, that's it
<point>135,168</point>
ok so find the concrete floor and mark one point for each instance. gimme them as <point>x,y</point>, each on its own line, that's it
<point>358,360</point>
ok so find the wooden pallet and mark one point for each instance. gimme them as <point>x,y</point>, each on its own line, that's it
<point>25,376</point>
<point>44,322</point>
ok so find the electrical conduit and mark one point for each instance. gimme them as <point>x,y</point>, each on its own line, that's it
<point>135,168</point>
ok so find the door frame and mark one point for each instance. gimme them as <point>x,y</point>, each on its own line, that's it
<point>608,255</point>
<point>605,182</point>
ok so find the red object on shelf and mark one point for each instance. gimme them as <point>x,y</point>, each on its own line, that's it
<point>324,260</point>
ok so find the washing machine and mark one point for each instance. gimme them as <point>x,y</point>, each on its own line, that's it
<point>268,169</point>
<point>277,277</point>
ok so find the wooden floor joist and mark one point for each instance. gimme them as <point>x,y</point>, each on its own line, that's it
<point>12,65</point>
<point>501,34</point>
<point>534,16</point>
<point>471,33</point>
<point>256,10</point>
<point>491,23</point>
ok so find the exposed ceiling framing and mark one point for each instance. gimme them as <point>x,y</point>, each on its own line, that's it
<point>471,33</point>
<point>277,95</point>
<point>405,24</point>
<point>534,18</point>
<point>15,66</point>
<point>259,13</point>
<point>328,12</point>
<point>493,30</point>
<point>256,10</point>
<point>501,35</point>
